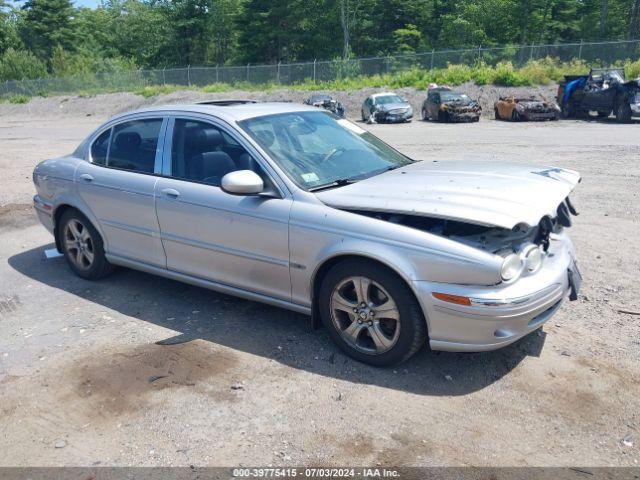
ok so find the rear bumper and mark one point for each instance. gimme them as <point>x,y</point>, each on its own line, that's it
<point>500,314</point>
<point>44,210</point>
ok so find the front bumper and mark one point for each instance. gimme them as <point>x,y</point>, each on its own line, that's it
<point>635,109</point>
<point>540,116</point>
<point>385,117</point>
<point>463,117</point>
<point>501,314</point>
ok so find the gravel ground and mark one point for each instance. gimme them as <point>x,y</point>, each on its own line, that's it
<point>82,381</point>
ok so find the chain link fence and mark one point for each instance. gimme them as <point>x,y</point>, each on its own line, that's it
<point>594,53</point>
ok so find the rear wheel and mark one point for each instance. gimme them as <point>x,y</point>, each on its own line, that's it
<point>425,117</point>
<point>515,116</point>
<point>496,113</point>
<point>371,314</point>
<point>603,114</point>
<point>82,246</point>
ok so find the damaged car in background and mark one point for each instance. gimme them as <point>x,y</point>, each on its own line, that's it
<point>603,90</point>
<point>386,107</point>
<point>445,105</point>
<point>327,102</point>
<point>526,109</point>
<point>295,207</point>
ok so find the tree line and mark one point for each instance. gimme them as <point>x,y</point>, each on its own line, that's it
<point>52,37</point>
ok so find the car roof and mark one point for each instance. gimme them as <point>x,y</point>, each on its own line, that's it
<point>230,113</point>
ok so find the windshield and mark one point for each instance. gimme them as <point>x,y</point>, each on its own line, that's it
<point>387,99</point>
<point>453,97</point>
<point>316,149</point>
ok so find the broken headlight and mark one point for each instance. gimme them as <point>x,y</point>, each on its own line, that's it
<point>512,267</point>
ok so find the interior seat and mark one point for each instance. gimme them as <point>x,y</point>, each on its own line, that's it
<point>213,166</point>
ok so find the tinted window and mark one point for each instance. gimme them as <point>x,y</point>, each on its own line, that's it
<point>134,144</point>
<point>203,153</point>
<point>100,148</point>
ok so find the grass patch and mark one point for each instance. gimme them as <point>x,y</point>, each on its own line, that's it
<point>18,99</point>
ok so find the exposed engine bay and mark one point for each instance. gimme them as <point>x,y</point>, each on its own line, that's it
<point>497,240</point>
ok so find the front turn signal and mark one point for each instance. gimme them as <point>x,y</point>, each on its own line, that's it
<point>445,297</point>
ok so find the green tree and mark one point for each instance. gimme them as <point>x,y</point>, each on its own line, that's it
<point>47,25</point>
<point>20,65</point>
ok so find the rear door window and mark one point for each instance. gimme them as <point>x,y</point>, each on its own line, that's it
<point>134,145</point>
<point>100,148</point>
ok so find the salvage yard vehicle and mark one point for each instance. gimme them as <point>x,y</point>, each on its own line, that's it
<point>292,206</point>
<point>526,109</point>
<point>603,90</point>
<point>327,102</point>
<point>445,105</point>
<point>386,107</point>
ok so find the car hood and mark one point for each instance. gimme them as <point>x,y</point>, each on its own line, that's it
<point>392,106</point>
<point>484,193</point>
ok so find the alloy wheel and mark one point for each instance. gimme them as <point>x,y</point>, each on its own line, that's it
<point>365,315</point>
<point>79,244</point>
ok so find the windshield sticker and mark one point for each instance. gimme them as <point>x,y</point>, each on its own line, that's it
<point>351,126</point>
<point>310,177</point>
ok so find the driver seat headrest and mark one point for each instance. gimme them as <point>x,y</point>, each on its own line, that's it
<point>203,139</point>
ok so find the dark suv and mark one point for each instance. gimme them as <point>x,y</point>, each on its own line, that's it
<point>603,91</point>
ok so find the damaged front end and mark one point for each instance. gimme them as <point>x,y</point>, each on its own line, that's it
<point>395,114</point>
<point>461,112</point>
<point>536,110</point>
<point>522,247</point>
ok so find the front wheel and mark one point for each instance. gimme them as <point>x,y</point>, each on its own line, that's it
<point>371,314</point>
<point>82,246</point>
<point>623,112</point>
<point>425,117</point>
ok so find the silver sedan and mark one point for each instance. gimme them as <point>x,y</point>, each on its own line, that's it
<point>295,207</point>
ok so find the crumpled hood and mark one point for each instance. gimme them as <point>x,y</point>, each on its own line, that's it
<point>387,107</point>
<point>484,193</point>
<point>534,104</point>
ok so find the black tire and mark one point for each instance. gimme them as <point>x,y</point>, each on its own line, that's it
<point>412,326</point>
<point>364,119</point>
<point>604,114</point>
<point>443,117</point>
<point>425,117</point>
<point>99,267</point>
<point>623,111</point>
<point>566,111</point>
<point>515,116</point>
<point>475,119</point>
<point>496,113</point>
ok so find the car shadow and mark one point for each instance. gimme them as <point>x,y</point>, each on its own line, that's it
<point>270,332</point>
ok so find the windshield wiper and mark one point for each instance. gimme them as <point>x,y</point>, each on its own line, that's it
<point>341,182</point>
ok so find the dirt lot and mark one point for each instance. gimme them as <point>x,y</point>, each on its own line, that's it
<point>82,381</point>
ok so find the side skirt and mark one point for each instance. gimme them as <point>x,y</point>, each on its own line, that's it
<point>200,282</point>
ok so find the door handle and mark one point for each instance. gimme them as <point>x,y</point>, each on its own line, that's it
<point>86,177</point>
<point>171,192</point>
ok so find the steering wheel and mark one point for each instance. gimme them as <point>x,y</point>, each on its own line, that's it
<point>333,153</point>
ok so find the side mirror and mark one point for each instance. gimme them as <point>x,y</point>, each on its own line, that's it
<point>242,182</point>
